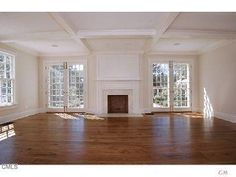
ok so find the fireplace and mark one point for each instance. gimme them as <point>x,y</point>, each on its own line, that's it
<point>117,103</point>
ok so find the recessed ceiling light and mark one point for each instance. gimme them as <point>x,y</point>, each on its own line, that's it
<point>176,44</point>
<point>54,45</point>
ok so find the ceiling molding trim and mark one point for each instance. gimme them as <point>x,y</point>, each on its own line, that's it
<point>85,42</point>
<point>215,46</point>
<point>166,22</point>
<point>173,33</point>
<point>64,54</point>
<point>23,49</point>
<point>60,20</point>
<point>173,53</point>
<point>117,52</point>
<point>56,35</point>
<point>116,33</point>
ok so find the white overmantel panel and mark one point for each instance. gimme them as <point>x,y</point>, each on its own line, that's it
<point>118,67</point>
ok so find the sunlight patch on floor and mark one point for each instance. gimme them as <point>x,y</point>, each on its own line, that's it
<point>75,116</point>
<point>191,115</point>
<point>7,131</point>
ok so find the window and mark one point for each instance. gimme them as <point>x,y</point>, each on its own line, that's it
<point>161,85</point>
<point>66,86</point>
<point>7,79</point>
<point>171,85</point>
<point>181,85</point>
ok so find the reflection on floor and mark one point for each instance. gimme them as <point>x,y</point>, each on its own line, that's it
<point>154,139</point>
<point>180,114</point>
<point>6,131</point>
<point>78,116</point>
<point>190,114</point>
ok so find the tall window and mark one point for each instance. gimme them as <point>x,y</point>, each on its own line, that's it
<point>66,84</point>
<point>181,85</point>
<point>171,85</point>
<point>7,79</point>
<point>161,85</point>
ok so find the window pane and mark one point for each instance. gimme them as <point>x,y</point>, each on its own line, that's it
<point>6,79</point>
<point>181,85</point>
<point>161,85</point>
<point>76,86</point>
<point>56,86</point>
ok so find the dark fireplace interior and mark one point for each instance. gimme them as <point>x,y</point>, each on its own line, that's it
<point>117,103</point>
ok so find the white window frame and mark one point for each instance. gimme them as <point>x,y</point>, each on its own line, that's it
<point>168,59</point>
<point>13,78</point>
<point>51,61</point>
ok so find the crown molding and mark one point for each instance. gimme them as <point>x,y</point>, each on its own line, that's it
<point>215,46</point>
<point>195,53</point>
<point>16,47</point>
<point>64,54</point>
<point>55,35</point>
<point>116,52</point>
<point>116,33</point>
<point>184,33</point>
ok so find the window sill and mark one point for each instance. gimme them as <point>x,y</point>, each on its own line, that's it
<point>6,107</point>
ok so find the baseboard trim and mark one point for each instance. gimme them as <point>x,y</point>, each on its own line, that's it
<point>16,116</point>
<point>225,116</point>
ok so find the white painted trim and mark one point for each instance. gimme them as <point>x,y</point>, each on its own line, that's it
<point>134,52</point>
<point>216,45</point>
<point>118,32</point>
<point>186,33</point>
<point>79,54</point>
<point>225,116</point>
<point>16,116</point>
<point>7,107</point>
<point>167,20</point>
<point>54,60</point>
<point>48,35</point>
<point>190,53</point>
<point>165,59</point>
<point>24,49</point>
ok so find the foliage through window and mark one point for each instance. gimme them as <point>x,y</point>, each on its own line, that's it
<point>181,85</point>
<point>76,86</point>
<point>161,85</point>
<point>66,85</point>
<point>171,85</point>
<point>7,79</point>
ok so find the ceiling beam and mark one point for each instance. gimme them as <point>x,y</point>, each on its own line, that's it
<point>167,20</point>
<point>69,28</point>
<point>183,33</point>
<point>116,33</point>
<point>58,35</point>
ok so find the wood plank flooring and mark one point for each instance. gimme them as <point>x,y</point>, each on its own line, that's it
<point>154,139</point>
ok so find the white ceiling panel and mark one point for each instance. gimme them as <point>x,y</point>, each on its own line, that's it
<point>115,31</point>
<point>114,20</point>
<point>117,44</point>
<point>182,45</point>
<point>206,21</point>
<point>53,46</point>
<point>31,22</point>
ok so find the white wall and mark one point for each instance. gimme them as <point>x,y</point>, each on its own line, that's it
<point>122,71</point>
<point>26,86</point>
<point>217,74</point>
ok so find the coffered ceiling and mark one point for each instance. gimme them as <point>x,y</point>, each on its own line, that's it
<point>83,33</point>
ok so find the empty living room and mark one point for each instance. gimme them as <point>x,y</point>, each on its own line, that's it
<point>117,88</point>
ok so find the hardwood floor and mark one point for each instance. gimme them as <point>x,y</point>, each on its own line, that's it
<point>153,139</point>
